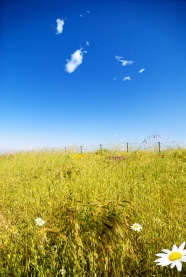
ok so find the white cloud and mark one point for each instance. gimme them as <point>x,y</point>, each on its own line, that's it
<point>81,15</point>
<point>118,58</point>
<point>88,11</point>
<point>60,24</point>
<point>87,43</point>
<point>114,78</point>
<point>75,61</point>
<point>127,78</point>
<point>123,62</point>
<point>141,70</point>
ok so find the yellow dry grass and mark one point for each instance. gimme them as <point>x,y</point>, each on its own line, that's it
<point>88,202</point>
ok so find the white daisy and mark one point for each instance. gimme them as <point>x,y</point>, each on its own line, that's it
<point>174,257</point>
<point>62,271</point>
<point>39,221</point>
<point>136,227</point>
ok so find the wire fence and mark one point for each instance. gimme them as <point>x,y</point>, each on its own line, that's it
<point>151,143</point>
<point>147,145</point>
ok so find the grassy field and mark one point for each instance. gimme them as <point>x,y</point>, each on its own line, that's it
<point>89,202</point>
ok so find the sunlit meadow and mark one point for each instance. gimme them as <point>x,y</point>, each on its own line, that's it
<point>70,214</point>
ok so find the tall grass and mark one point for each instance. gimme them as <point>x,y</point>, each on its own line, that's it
<point>89,202</point>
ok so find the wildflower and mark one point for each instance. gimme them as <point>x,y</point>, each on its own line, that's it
<point>136,227</point>
<point>39,221</point>
<point>62,271</point>
<point>174,257</point>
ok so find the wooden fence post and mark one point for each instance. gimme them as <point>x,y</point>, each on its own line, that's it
<point>127,147</point>
<point>101,148</point>
<point>159,147</point>
<point>81,149</point>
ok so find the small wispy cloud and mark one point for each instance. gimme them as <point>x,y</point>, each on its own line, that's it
<point>88,11</point>
<point>114,79</point>
<point>118,58</point>
<point>60,24</point>
<point>81,15</point>
<point>123,62</point>
<point>141,70</point>
<point>75,61</point>
<point>127,78</point>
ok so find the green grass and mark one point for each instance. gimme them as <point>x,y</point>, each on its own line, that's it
<point>89,202</point>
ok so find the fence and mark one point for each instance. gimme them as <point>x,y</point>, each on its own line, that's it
<point>127,147</point>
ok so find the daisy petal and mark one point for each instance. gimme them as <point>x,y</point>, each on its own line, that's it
<point>181,247</point>
<point>174,248</point>
<point>162,255</point>
<point>183,259</point>
<point>166,251</point>
<point>162,260</point>
<point>178,265</point>
<point>165,263</point>
<point>159,260</point>
<point>173,264</point>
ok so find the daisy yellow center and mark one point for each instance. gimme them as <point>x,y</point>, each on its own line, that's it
<point>136,226</point>
<point>175,256</point>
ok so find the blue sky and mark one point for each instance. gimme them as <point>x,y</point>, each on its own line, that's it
<point>91,72</point>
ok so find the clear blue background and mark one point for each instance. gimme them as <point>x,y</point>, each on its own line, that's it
<point>42,105</point>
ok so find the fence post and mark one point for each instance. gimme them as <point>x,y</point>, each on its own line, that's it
<point>159,147</point>
<point>81,149</point>
<point>101,148</point>
<point>65,149</point>
<point>127,147</point>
